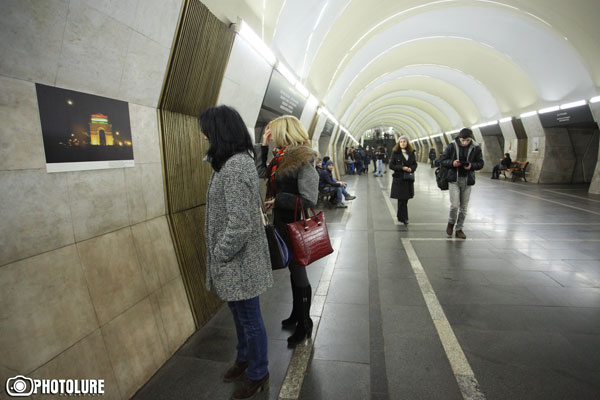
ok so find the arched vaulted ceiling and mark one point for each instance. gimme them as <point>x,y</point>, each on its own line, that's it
<point>428,66</point>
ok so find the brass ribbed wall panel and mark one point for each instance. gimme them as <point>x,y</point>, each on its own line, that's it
<point>187,176</point>
<point>194,76</point>
<point>196,72</point>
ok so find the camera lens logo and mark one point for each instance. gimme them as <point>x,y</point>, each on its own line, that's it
<point>19,386</point>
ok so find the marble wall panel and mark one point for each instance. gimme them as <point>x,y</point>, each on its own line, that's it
<point>123,11</point>
<point>135,194</point>
<point>493,153</point>
<point>32,54</point>
<point>144,71</point>
<point>35,214</point>
<point>45,308</point>
<point>156,253</point>
<point>145,192</point>
<point>87,359</point>
<point>154,193</point>
<point>157,19</point>
<point>98,202</point>
<point>245,81</point>
<point>535,158</point>
<point>93,52</point>
<point>595,183</point>
<point>175,315</point>
<point>134,347</point>
<point>113,274</point>
<point>144,132</point>
<point>559,157</point>
<point>21,144</point>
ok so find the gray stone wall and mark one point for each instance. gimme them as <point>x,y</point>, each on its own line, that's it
<point>89,281</point>
<point>595,183</point>
<point>559,157</point>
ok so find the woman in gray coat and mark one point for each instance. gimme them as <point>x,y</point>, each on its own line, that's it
<point>237,261</point>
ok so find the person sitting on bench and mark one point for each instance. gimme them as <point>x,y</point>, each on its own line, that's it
<point>505,163</point>
<point>327,183</point>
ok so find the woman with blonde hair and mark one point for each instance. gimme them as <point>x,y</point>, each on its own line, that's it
<point>290,175</point>
<point>404,163</point>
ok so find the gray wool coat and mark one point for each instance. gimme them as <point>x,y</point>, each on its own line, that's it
<point>238,264</point>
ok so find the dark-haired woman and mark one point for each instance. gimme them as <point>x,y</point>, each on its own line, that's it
<point>403,162</point>
<point>290,176</point>
<point>238,266</point>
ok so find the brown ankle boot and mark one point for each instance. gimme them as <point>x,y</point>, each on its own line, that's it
<point>460,234</point>
<point>235,371</point>
<point>449,229</point>
<point>250,388</point>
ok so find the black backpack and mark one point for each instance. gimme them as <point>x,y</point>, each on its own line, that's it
<point>441,177</point>
<point>441,173</point>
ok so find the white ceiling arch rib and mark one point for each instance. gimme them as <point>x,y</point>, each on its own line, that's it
<point>457,99</point>
<point>382,119</point>
<point>427,109</point>
<point>426,119</point>
<point>531,44</point>
<point>447,116</point>
<point>401,113</point>
<point>302,27</point>
<point>475,90</point>
<point>505,81</point>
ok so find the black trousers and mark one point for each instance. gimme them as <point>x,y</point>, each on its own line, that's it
<point>402,210</point>
<point>496,171</point>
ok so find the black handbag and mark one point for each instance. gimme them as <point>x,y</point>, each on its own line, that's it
<point>278,251</point>
<point>408,176</point>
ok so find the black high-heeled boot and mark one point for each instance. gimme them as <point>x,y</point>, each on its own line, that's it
<point>305,324</point>
<point>293,318</point>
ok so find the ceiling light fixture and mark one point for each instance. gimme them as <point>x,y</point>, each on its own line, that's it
<point>573,104</point>
<point>256,42</point>
<point>528,114</point>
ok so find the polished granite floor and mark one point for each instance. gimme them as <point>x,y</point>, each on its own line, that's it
<point>521,295</point>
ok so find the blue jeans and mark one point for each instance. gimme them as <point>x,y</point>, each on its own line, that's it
<point>380,168</point>
<point>336,192</point>
<point>252,336</point>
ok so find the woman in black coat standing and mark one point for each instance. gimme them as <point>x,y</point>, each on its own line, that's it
<point>404,163</point>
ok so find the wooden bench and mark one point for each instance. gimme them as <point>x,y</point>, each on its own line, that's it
<point>517,170</point>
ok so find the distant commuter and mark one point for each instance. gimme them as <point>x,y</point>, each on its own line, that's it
<point>328,184</point>
<point>432,157</point>
<point>403,162</point>
<point>238,266</point>
<point>505,163</point>
<point>380,155</point>
<point>350,162</point>
<point>369,157</point>
<point>291,175</point>
<point>462,158</point>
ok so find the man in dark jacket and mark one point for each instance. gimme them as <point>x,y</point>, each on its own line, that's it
<point>327,183</point>
<point>462,158</point>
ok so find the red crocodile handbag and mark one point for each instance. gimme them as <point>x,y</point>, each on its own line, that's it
<point>308,236</point>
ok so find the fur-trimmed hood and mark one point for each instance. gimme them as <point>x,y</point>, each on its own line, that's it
<point>294,158</point>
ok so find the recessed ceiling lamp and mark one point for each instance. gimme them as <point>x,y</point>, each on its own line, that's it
<point>256,42</point>
<point>528,114</point>
<point>549,109</point>
<point>573,104</point>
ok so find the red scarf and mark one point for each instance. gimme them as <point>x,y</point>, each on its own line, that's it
<point>272,170</point>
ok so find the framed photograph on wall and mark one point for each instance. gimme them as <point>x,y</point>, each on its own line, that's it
<point>83,131</point>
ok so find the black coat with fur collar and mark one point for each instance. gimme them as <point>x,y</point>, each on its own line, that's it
<point>295,176</point>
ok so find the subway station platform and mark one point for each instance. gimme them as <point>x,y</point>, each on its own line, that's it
<point>513,312</point>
